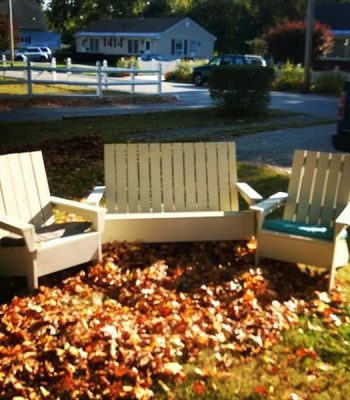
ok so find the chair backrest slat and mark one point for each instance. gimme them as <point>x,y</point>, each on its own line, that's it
<point>24,188</point>
<point>170,177</point>
<point>319,187</point>
<point>344,187</point>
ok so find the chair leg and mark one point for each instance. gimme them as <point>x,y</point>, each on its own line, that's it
<point>257,257</point>
<point>32,276</point>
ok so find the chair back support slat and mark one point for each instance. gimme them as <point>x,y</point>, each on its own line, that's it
<point>156,194</point>
<point>344,187</point>
<point>170,177</point>
<point>190,178</point>
<point>145,187</point>
<point>167,168</point>
<point>213,193</point>
<point>331,188</point>
<point>179,178</point>
<point>201,176</point>
<point>305,190</point>
<point>318,188</point>
<point>24,188</point>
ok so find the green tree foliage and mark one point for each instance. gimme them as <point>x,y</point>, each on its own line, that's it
<point>5,33</point>
<point>287,41</point>
<point>228,20</point>
<point>165,8</point>
<point>69,16</point>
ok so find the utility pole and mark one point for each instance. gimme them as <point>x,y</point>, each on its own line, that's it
<point>12,42</point>
<point>308,43</point>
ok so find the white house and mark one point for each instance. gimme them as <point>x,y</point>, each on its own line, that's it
<point>173,37</point>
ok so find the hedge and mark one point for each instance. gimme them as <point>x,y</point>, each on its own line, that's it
<point>241,90</point>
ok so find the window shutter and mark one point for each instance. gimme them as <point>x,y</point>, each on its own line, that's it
<point>172,46</point>
<point>185,47</point>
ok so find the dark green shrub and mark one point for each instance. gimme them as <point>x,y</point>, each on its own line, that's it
<point>241,90</point>
<point>329,83</point>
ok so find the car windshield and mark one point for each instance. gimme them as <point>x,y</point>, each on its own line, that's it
<point>215,61</point>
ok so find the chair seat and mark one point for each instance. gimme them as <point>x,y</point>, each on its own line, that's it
<point>302,229</point>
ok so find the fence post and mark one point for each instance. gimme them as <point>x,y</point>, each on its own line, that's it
<point>99,79</point>
<point>132,80</point>
<point>29,78</point>
<point>160,79</point>
<point>54,65</point>
<point>105,74</point>
<point>3,59</point>
<point>69,66</point>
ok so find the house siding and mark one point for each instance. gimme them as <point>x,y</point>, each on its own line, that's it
<point>184,39</point>
<point>187,39</point>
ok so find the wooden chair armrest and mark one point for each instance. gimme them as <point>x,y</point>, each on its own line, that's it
<point>344,216</point>
<point>21,228</point>
<point>250,195</point>
<point>92,213</point>
<point>270,204</point>
<point>94,198</point>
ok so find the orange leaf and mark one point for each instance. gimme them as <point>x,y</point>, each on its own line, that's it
<point>198,387</point>
<point>261,389</point>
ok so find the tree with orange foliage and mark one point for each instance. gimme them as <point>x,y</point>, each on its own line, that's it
<point>286,42</point>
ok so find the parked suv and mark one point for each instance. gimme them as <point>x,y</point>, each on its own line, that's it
<point>341,141</point>
<point>33,53</point>
<point>201,74</point>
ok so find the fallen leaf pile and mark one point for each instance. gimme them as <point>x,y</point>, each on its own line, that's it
<point>127,324</point>
<point>8,104</point>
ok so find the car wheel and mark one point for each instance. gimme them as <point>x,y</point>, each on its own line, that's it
<point>198,80</point>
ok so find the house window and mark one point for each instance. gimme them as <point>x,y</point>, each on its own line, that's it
<point>136,46</point>
<point>185,47</point>
<point>147,45</point>
<point>133,46</point>
<point>178,47</point>
<point>94,45</point>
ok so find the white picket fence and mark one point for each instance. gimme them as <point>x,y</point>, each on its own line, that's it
<point>101,77</point>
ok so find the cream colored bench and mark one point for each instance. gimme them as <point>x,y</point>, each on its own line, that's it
<point>26,204</point>
<point>173,192</point>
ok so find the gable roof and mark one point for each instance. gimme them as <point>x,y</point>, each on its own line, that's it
<point>337,16</point>
<point>134,25</point>
<point>27,14</point>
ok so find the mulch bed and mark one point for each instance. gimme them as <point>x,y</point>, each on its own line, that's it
<point>8,104</point>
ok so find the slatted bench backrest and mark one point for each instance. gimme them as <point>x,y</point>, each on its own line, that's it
<point>319,187</point>
<point>167,177</point>
<point>24,190</point>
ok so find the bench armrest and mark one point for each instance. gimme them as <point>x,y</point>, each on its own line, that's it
<point>23,229</point>
<point>94,198</point>
<point>270,204</point>
<point>92,213</point>
<point>250,195</point>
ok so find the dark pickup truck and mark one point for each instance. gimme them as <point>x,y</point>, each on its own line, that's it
<point>341,141</point>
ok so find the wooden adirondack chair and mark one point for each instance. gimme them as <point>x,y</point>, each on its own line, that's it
<point>316,214</point>
<point>174,192</point>
<point>26,204</point>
